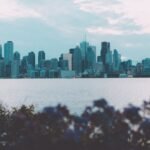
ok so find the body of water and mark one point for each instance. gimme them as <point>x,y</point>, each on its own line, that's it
<point>75,93</point>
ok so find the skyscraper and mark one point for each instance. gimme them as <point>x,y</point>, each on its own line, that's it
<point>47,64</point>
<point>76,60</point>
<point>15,65</point>
<point>2,67</point>
<point>116,60</point>
<point>63,64</point>
<point>16,56</point>
<point>24,64</point>
<point>84,46</point>
<point>68,57</point>
<point>8,52</point>
<point>41,58</point>
<point>54,64</point>
<point>91,57</point>
<point>109,62</point>
<point>105,47</point>
<point>15,68</point>
<point>1,52</point>
<point>109,59</point>
<point>31,60</point>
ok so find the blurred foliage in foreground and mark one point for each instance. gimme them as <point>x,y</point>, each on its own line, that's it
<point>99,127</point>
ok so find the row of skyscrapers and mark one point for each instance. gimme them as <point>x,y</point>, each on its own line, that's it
<point>81,61</point>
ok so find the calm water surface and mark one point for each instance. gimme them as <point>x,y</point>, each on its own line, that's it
<point>75,93</point>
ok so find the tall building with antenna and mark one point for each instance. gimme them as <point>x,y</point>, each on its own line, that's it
<point>84,46</point>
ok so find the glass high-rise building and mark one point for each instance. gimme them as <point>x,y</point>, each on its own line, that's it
<point>15,65</point>
<point>116,60</point>
<point>68,57</point>
<point>91,57</point>
<point>15,68</point>
<point>84,46</point>
<point>31,60</point>
<point>76,60</point>
<point>8,52</point>
<point>41,58</point>
<point>54,64</point>
<point>1,52</point>
<point>2,67</point>
<point>105,48</point>
<point>16,56</point>
<point>24,64</point>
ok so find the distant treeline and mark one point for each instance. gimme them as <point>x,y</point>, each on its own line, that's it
<point>99,127</point>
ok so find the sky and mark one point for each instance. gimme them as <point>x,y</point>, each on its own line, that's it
<point>55,26</point>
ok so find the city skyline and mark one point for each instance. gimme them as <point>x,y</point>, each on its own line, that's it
<point>82,61</point>
<point>44,24</point>
<point>2,47</point>
<point>79,61</point>
<point>98,48</point>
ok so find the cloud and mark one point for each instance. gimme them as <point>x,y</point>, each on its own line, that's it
<point>97,7</point>
<point>118,12</point>
<point>55,14</point>
<point>107,17</point>
<point>119,16</point>
<point>12,9</point>
<point>106,31</point>
<point>111,31</point>
<point>139,12</point>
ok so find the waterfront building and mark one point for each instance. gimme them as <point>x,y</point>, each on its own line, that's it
<point>125,66</point>
<point>33,73</point>
<point>146,63</point>
<point>43,73</point>
<point>98,69</point>
<point>54,74</point>
<point>109,62</point>
<point>1,56</point>
<point>105,48</point>
<point>16,56</point>
<point>24,65</point>
<point>15,68</point>
<point>31,60</point>
<point>63,64</point>
<point>76,60</point>
<point>91,57</point>
<point>139,69</point>
<point>47,64</point>
<point>54,64</point>
<point>41,58</point>
<point>109,59</point>
<point>8,52</point>
<point>116,61</point>
<point>2,67</point>
<point>146,66</point>
<point>67,58</point>
<point>84,46</point>
<point>67,74</point>
<point>7,70</point>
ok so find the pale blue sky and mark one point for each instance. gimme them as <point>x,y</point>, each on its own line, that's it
<point>57,25</point>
